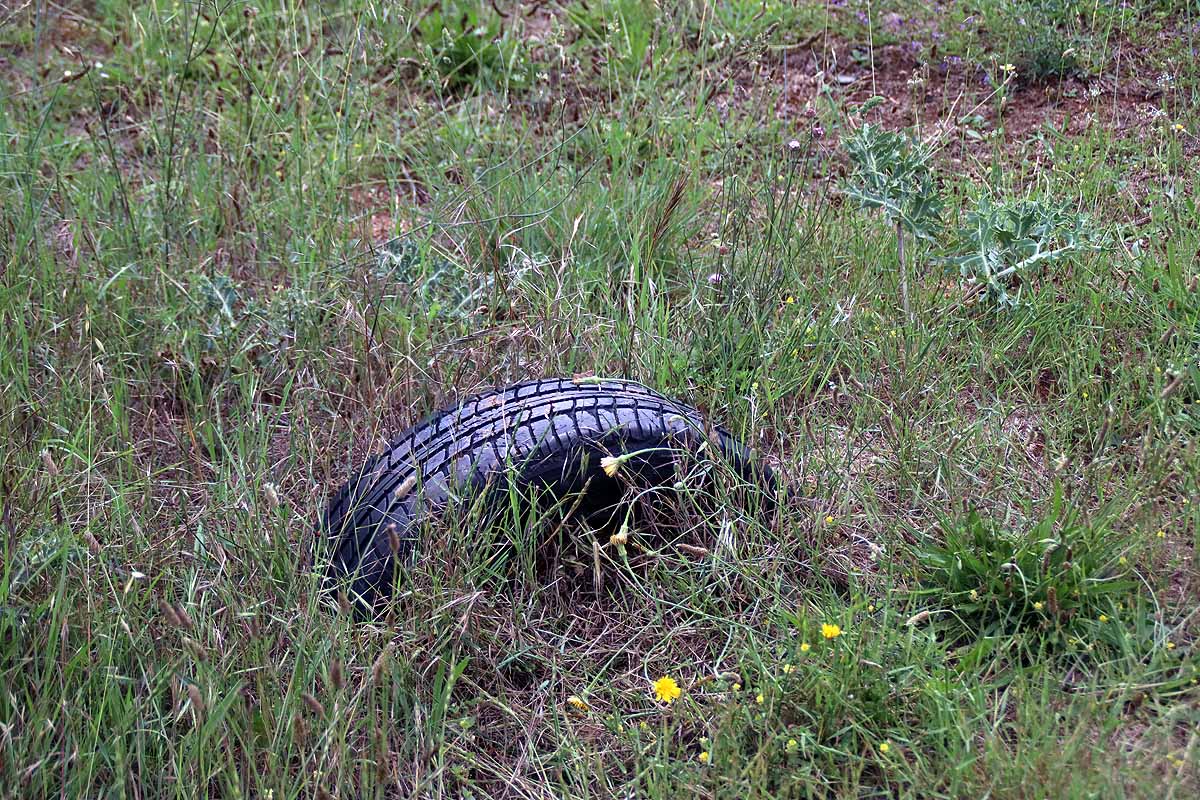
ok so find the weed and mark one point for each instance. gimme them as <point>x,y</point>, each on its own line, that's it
<point>1009,242</point>
<point>893,174</point>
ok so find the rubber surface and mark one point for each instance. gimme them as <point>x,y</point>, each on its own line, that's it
<point>552,433</point>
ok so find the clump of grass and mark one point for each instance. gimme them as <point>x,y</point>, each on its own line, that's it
<point>466,48</point>
<point>1045,585</point>
<point>1035,36</point>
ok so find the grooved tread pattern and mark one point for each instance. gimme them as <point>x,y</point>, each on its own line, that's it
<point>552,430</point>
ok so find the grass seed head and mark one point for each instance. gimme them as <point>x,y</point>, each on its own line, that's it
<point>314,705</point>
<point>169,614</point>
<point>195,648</point>
<point>377,669</point>
<point>185,619</point>
<point>193,693</point>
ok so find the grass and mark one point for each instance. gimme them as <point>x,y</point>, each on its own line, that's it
<point>240,247</point>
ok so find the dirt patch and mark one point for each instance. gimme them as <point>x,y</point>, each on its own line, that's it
<point>376,209</point>
<point>960,103</point>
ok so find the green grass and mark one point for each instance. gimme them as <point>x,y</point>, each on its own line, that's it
<point>248,246</point>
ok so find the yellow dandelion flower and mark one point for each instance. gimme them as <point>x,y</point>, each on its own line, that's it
<point>1122,561</point>
<point>577,702</point>
<point>792,745</point>
<point>703,757</point>
<point>1039,605</point>
<point>883,748</point>
<point>758,698</point>
<point>790,300</point>
<point>1161,534</point>
<point>666,690</point>
<point>737,687</point>
<point>1170,645</point>
<point>829,519</point>
<point>788,669</point>
<point>831,631</point>
<point>1104,617</point>
<point>805,647</point>
<point>610,466</point>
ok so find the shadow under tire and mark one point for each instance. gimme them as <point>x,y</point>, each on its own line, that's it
<point>550,434</point>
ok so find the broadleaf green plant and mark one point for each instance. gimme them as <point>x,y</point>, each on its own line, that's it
<point>1004,240</point>
<point>892,174</point>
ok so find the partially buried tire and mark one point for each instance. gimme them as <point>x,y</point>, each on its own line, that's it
<point>553,435</point>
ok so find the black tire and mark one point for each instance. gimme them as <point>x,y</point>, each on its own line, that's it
<point>550,433</point>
